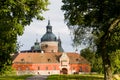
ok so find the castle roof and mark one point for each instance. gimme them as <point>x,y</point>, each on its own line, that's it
<point>33,58</point>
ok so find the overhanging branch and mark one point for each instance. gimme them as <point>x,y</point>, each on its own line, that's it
<point>114,24</point>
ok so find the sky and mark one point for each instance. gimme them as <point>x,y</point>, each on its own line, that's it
<point>38,28</point>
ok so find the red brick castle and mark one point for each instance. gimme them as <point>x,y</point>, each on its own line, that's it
<point>48,57</point>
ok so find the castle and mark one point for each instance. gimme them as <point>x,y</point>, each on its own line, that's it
<point>48,57</point>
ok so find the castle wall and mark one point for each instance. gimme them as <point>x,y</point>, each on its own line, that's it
<point>37,69</point>
<point>51,46</point>
<point>49,68</point>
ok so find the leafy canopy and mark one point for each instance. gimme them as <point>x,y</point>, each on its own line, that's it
<point>94,18</point>
<point>101,19</point>
<point>14,15</point>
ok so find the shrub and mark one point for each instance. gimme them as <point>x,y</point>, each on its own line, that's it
<point>7,70</point>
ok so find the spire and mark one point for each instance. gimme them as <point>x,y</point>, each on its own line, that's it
<point>36,43</point>
<point>60,49</point>
<point>49,27</point>
<point>36,40</point>
<point>59,38</point>
<point>48,22</point>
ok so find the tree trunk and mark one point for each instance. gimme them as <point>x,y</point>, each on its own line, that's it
<point>106,62</point>
<point>107,68</point>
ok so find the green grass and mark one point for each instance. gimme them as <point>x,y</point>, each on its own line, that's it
<point>75,77</point>
<point>15,77</point>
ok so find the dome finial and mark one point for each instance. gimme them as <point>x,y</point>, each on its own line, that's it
<point>36,40</point>
<point>49,22</point>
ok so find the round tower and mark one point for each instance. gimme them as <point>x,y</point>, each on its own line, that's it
<point>49,42</point>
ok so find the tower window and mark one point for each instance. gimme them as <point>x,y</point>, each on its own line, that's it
<point>52,50</point>
<point>46,46</point>
<point>77,59</point>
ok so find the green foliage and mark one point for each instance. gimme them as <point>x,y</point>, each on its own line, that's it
<point>14,15</point>
<point>115,59</point>
<point>75,77</point>
<point>94,59</point>
<point>102,17</point>
<point>98,65</point>
<point>7,70</point>
<point>94,12</point>
<point>15,77</point>
<point>88,54</point>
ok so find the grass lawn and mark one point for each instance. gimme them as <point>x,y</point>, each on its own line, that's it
<point>15,77</point>
<point>76,77</point>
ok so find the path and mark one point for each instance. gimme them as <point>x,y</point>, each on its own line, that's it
<point>37,77</point>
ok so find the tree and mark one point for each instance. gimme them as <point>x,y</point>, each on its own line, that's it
<point>93,58</point>
<point>102,17</point>
<point>115,59</point>
<point>88,55</point>
<point>14,16</point>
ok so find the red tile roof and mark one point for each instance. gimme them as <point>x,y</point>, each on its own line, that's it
<point>32,57</point>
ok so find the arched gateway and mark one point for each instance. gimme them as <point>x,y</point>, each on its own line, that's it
<point>64,71</point>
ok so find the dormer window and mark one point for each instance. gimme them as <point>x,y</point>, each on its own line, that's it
<point>77,59</point>
<point>22,60</point>
<point>49,60</point>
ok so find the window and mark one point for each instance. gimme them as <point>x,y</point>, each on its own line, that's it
<point>54,68</point>
<point>27,68</point>
<point>38,68</point>
<point>38,73</point>
<point>48,72</point>
<point>49,60</point>
<point>73,68</point>
<point>46,46</point>
<point>64,62</point>
<point>46,68</point>
<point>86,69</point>
<point>19,68</point>
<point>22,60</point>
<point>77,59</point>
<point>80,69</point>
<point>52,50</point>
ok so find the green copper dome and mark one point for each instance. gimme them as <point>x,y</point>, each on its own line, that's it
<point>36,46</point>
<point>48,36</point>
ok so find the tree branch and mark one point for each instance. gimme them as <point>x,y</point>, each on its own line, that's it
<point>114,24</point>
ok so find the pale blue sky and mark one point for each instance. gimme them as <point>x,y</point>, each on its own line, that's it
<point>38,28</point>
